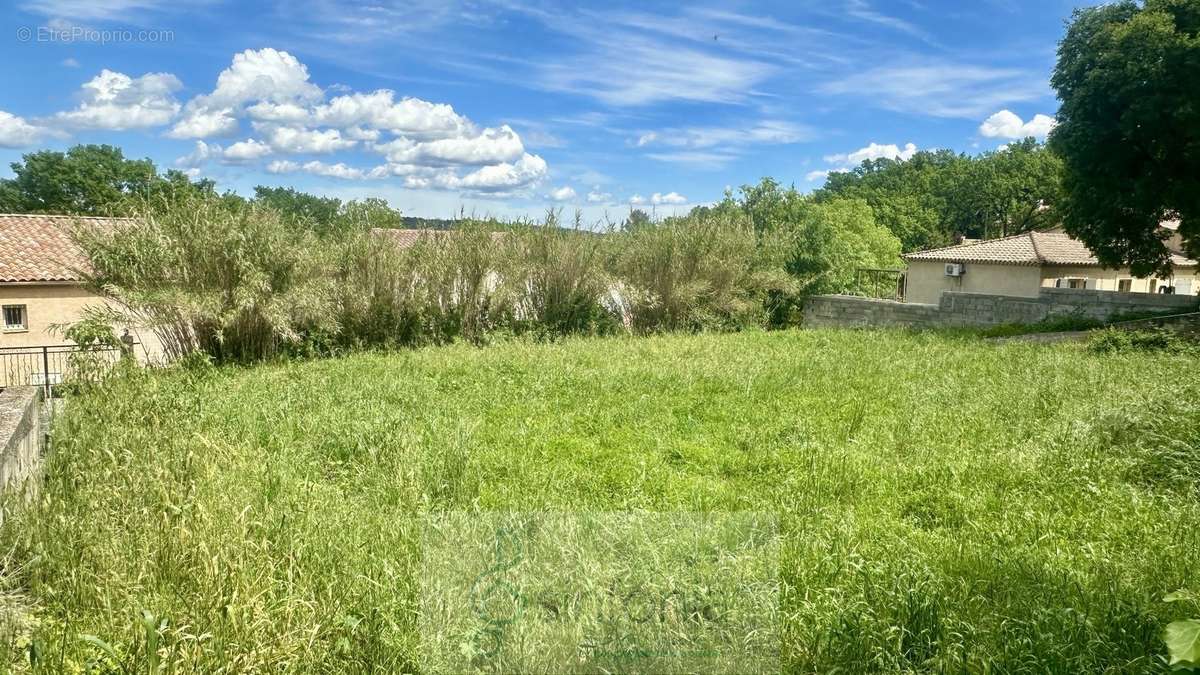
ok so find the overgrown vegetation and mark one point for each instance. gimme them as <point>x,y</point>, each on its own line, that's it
<point>288,273</point>
<point>1025,511</point>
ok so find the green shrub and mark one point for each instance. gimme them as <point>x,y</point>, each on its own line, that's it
<point>1116,340</point>
<point>688,273</point>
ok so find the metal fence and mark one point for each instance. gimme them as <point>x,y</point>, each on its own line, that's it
<point>50,365</point>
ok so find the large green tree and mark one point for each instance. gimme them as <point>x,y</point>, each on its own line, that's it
<point>937,196</point>
<point>1128,76</point>
<point>1008,191</point>
<point>85,180</point>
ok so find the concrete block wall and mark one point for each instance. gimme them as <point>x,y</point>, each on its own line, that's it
<point>984,309</point>
<point>20,444</point>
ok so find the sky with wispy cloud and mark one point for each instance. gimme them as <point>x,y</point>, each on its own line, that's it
<point>510,107</point>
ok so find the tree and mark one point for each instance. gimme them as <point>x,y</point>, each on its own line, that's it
<point>310,211</point>
<point>86,180</point>
<point>1005,192</point>
<point>908,197</point>
<point>937,196</point>
<point>820,243</point>
<point>1129,129</point>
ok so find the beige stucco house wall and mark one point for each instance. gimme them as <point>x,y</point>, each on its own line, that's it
<point>44,304</point>
<point>926,280</point>
<point>41,285</point>
<point>1022,264</point>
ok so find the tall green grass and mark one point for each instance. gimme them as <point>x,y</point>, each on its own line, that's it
<point>945,505</point>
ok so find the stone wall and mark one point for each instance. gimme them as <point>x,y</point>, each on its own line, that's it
<point>20,444</point>
<point>984,309</point>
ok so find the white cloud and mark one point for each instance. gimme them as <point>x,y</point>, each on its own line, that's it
<point>275,79</point>
<point>714,147</point>
<point>595,196</point>
<point>200,154</point>
<point>115,101</point>
<point>763,132</point>
<point>83,10</point>
<point>15,132</point>
<point>289,113</point>
<point>70,63</point>
<point>263,75</point>
<point>294,140</point>
<point>637,200</point>
<point>669,198</point>
<point>409,117</point>
<point>505,176</point>
<point>205,123</point>
<point>874,151</point>
<point>629,70</point>
<point>940,89</point>
<point>246,151</point>
<point>1006,124</point>
<point>317,168</point>
<point>488,147</point>
<point>702,160</point>
<point>563,194</point>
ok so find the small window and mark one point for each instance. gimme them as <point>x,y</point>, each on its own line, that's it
<point>1124,285</point>
<point>14,317</point>
<point>1152,286</point>
<point>1078,283</point>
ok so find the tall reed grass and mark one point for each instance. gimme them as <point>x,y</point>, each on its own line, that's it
<point>241,282</point>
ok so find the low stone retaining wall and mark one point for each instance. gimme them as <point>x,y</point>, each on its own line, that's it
<point>983,309</point>
<point>20,444</point>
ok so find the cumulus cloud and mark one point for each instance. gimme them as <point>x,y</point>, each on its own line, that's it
<point>205,124</point>
<point>265,75</point>
<point>116,101</point>
<point>845,161</point>
<point>595,196</point>
<point>874,151</point>
<point>411,117</point>
<point>506,176</point>
<point>1006,124</point>
<point>199,155</point>
<point>563,194</point>
<point>318,168</point>
<point>296,141</point>
<point>427,144</point>
<point>488,147</point>
<point>669,198</point>
<point>637,200</point>
<point>15,132</point>
<point>245,151</point>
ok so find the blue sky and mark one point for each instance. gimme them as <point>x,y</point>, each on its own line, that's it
<point>508,107</point>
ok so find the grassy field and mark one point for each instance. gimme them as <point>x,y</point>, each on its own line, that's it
<point>869,501</point>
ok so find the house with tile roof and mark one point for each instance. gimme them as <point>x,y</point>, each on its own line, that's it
<point>1022,264</point>
<point>42,279</point>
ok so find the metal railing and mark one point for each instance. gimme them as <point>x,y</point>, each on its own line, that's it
<point>50,365</point>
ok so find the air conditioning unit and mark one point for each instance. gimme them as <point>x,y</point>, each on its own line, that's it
<point>954,269</point>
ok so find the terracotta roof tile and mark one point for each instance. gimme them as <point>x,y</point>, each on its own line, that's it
<point>1044,247</point>
<point>38,247</point>
<point>406,238</point>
